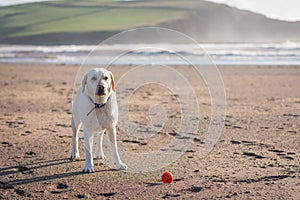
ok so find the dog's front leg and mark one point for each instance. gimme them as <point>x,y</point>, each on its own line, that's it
<point>113,139</point>
<point>88,141</point>
<point>75,130</point>
<point>99,147</point>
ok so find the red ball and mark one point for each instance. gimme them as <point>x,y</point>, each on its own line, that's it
<point>167,177</point>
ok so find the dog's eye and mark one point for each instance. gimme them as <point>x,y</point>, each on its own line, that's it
<point>94,78</point>
<point>105,78</point>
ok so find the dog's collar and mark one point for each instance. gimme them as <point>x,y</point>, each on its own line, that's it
<point>97,105</point>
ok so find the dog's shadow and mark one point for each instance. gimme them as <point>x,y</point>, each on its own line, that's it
<point>30,169</point>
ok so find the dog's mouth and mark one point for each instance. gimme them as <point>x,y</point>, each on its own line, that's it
<point>100,93</point>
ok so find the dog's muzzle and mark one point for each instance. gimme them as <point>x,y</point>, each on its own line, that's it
<point>100,90</point>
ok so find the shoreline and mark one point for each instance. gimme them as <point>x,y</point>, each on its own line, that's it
<point>180,66</point>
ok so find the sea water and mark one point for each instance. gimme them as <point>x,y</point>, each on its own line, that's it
<point>287,53</point>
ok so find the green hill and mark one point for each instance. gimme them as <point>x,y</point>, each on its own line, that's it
<point>82,16</point>
<point>92,21</point>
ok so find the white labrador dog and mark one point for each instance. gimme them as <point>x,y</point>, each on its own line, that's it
<point>95,106</point>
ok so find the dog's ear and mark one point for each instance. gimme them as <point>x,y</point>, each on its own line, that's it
<point>112,81</point>
<point>84,83</point>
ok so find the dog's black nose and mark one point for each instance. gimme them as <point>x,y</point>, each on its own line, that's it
<point>100,90</point>
<point>100,87</point>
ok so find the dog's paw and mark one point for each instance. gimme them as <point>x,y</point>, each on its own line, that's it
<point>89,169</point>
<point>100,157</point>
<point>74,155</point>
<point>121,166</point>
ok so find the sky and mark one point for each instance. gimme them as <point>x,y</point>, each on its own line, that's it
<point>288,10</point>
<point>15,2</point>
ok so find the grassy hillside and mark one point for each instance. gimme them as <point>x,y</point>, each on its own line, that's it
<point>82,16</point>
<point>92,21</point>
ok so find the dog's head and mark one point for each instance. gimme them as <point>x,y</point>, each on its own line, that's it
<point>99,84</point>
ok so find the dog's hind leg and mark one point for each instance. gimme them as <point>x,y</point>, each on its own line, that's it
<point>75,129</point>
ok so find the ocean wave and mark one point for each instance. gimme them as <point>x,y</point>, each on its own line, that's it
<point>287,52</point>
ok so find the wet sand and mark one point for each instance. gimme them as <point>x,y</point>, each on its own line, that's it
<point>256,157</point>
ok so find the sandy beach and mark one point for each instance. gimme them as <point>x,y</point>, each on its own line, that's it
<point>256,157</point>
